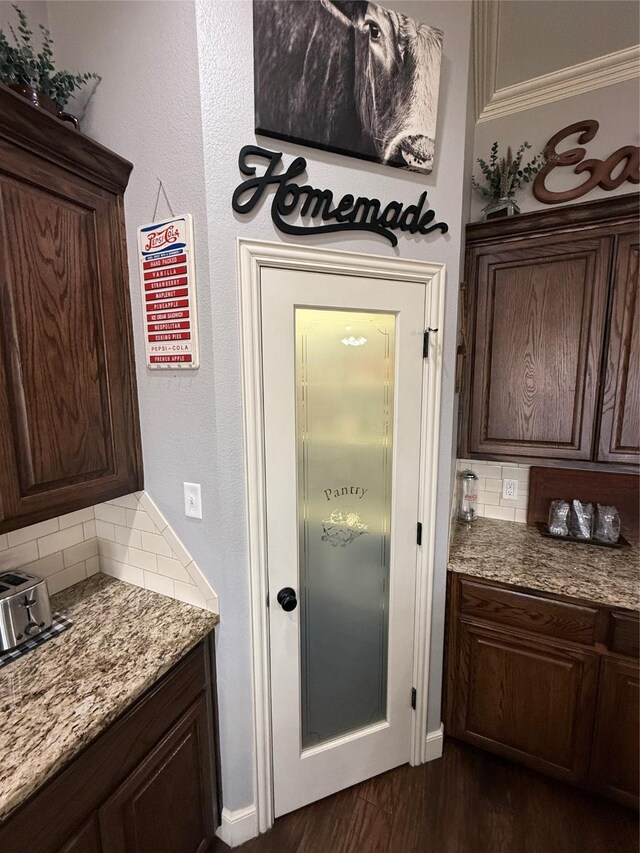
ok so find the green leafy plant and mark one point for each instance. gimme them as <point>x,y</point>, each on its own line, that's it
<point>504,176</point>
<point>20,64</point>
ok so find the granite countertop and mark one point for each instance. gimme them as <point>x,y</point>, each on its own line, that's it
<point>513,553</point>
<point>60,696</point>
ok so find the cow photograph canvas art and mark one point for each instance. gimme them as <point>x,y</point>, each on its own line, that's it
<point>347,76</point>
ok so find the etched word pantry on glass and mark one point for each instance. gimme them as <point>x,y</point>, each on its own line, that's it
<point>344,433</point>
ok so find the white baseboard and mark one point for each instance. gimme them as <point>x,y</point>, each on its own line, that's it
<point>239,826</point>
<point>434,744</point>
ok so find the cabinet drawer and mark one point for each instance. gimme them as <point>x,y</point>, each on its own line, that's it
<point>624,634</point>
<point>573,622</point>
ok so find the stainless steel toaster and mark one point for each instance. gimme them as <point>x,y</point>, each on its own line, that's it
<point>24,608</point>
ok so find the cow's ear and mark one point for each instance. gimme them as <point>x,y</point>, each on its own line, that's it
<point>348,12</point>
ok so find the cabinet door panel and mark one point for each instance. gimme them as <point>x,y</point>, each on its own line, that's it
<point>86,839</point>
<point>526,700</point>
<point>620,425</point>
<point>615,766</point>
<point>166,804</point>
<point>539,333</point>
<point>68,413</point>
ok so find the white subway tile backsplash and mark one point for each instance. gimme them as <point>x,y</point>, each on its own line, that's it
<point>514,473</point>
<point>140,520</point>
<point>34,531</point>
<point>173,569</point>
<point>79,517</point>
<point>113,550</point>
<point>126,501</point>
<point>521,502</point>
<point>67,577</point>
<point>493,472</point>
<point>128,536</point>
<point>489,498</point>
<point>122,571</point>
<point>61,540</point>
<point>143,559</point>
<point>490,475</point>
<point>179,551</point>
<point>82,551</point>
<point>112,514</point>
<point>46,566</point>
<point>156,543</point>
<point>159,583</point>
<point>501,512</point>
<point>92,565</point>
<point>154,513</point>
<point>189,593</point>
<point>104,530</point>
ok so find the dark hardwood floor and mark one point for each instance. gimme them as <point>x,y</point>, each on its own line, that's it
<point>469,801</point>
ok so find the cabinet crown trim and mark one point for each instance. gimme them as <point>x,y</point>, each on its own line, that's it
<point>37,131</point>
<point>621,208</point>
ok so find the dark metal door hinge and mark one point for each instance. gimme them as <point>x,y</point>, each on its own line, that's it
<point>413,698</point>
<point>425,344</point>
<point>419,533</point>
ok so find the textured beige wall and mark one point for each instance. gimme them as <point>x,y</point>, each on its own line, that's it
<point>535,38</point>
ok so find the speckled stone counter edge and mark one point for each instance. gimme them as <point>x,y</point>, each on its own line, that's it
<point>63,695</point>
<point>518,555</point>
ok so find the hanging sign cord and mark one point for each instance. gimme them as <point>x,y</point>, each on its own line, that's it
<point>166,198</point>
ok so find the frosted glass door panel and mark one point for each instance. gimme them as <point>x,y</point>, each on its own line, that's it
<point>344,433</point>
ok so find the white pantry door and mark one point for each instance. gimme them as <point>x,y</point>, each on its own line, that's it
<point>342,373</point>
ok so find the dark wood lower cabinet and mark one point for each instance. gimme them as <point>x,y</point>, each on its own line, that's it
<point>540,679</point>
<point>171,784</point>
<point>148,784</point>
<point>614,769</point>
<point>86,839</point>
<point>527,700</point>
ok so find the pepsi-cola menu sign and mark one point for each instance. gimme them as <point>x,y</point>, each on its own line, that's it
<point>167,276</point>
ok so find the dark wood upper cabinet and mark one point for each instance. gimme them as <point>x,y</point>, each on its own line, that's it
<point>540,324</point>
<point>620,427</point>
<point>69,432</point>
<point>552,337</point>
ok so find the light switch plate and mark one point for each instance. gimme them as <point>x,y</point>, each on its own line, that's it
<point>192,500</point>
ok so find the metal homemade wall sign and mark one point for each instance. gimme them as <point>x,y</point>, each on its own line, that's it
<point>167,277</point>
<point>625,163</point>
<point>347,214</point>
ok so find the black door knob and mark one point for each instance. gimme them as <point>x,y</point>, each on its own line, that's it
<point>287,599</point>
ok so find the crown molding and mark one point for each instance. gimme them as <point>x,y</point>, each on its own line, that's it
<point>565,83</point>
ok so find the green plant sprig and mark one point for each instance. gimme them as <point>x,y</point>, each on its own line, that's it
<point>504,176</point>
<point>20,64</point>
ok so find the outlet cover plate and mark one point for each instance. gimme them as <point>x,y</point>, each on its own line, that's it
<point>510,490</point>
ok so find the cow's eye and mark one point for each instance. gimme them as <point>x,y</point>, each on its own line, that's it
<point>374,30</point>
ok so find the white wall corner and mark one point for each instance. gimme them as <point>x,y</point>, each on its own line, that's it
<point>434,743</point>
<point>238,826</point>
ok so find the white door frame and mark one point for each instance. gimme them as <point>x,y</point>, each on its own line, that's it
<point>252,255</point>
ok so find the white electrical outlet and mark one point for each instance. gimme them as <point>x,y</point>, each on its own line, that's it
<point>192,500</point>
<point>510,490</point>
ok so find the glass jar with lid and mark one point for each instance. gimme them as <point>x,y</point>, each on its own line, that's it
<point>467,496</point>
